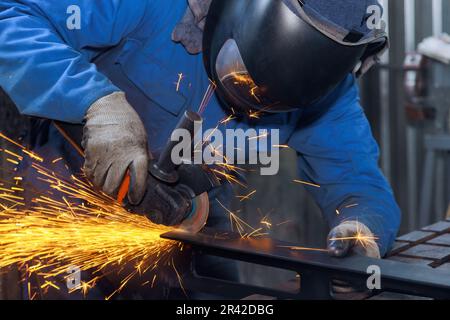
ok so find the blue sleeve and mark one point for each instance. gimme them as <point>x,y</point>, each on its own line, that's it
<point>338,153</point>
<point>45,67</point>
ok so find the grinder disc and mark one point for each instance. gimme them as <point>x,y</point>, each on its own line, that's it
<point>199,215</point>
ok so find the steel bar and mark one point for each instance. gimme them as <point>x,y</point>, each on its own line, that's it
<point>316,268</point>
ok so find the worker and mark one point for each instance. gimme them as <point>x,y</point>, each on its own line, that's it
<point>112,66</point>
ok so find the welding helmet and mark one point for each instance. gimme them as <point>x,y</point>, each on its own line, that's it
<point>281,55</point>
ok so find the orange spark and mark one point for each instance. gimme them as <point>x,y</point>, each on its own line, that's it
<point>23,149</point>
<point>12,161</point>
<point>227,119</point>
<point>307,183</point>
<point>207,97</point>
<point>246,197</point>
<point>361,238</point>
<point>13,154</point>
<point>254,114</point>
<point>303,248</point>
<point>243,228</point>
<point>281,146</point>
<point>57,160</point>
<point>261,136</point>
<point>230,178</point>
<point>266,223</point>
<point>77,226</point>
<point>180,78</point>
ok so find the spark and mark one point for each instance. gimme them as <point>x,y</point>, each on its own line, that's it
<point>281,146</point>
<point>246,197</point>
<point>49,283</point>
<point>153,280</point>
<point>338,211</point>
<point>230,167</point>
<point>303,248</point>
<point>227,119</point>
<point>266,223</point>
<point>85,287</point>
<point>31,154</point>
<point>207,97</point>
<point>361,238</point>
<point>78,226</point>
<point>241,77</point>
<point>243,228</point>
<point>225,166</point>
<point>94,237</point>
<point>228,177</point>
<point>180,78</point>
<point>57,160</point>
<point>29,291</point>
<point>12,161</point>
<point>11,141</point>
<point>307,183</point>
<point>208,137</point>
<point>284,222</point>
<point>254,114</point>
<point>179,278</point>
<point>261,136</point>
<point>216,150</point>
<point>254,94</point>
<point>13,154</point>
<point>257,114</point>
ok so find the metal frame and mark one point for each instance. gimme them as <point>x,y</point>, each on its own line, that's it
<point>316,269</point>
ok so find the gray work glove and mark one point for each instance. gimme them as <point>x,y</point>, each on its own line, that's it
<point>351,237</point>
<point>115,141</point>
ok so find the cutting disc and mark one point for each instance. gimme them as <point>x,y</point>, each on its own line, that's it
<point>199,215</point>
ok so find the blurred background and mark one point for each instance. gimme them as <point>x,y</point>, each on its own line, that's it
<point>407,101</point>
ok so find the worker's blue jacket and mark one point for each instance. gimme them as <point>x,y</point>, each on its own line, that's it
<point>54,71</point>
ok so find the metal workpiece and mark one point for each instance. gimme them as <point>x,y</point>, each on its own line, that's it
<point>316,268</point>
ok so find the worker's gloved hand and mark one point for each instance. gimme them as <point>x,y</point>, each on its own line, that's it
<point>351,237</point>
<point>114,141</point>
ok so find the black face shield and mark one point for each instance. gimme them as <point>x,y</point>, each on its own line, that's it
<point>263,55</point>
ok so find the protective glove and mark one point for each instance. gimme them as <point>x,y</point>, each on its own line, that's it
<point>351,237</point>
<point>115,141</point>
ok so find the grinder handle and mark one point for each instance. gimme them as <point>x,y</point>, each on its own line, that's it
<point>164,169</point>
